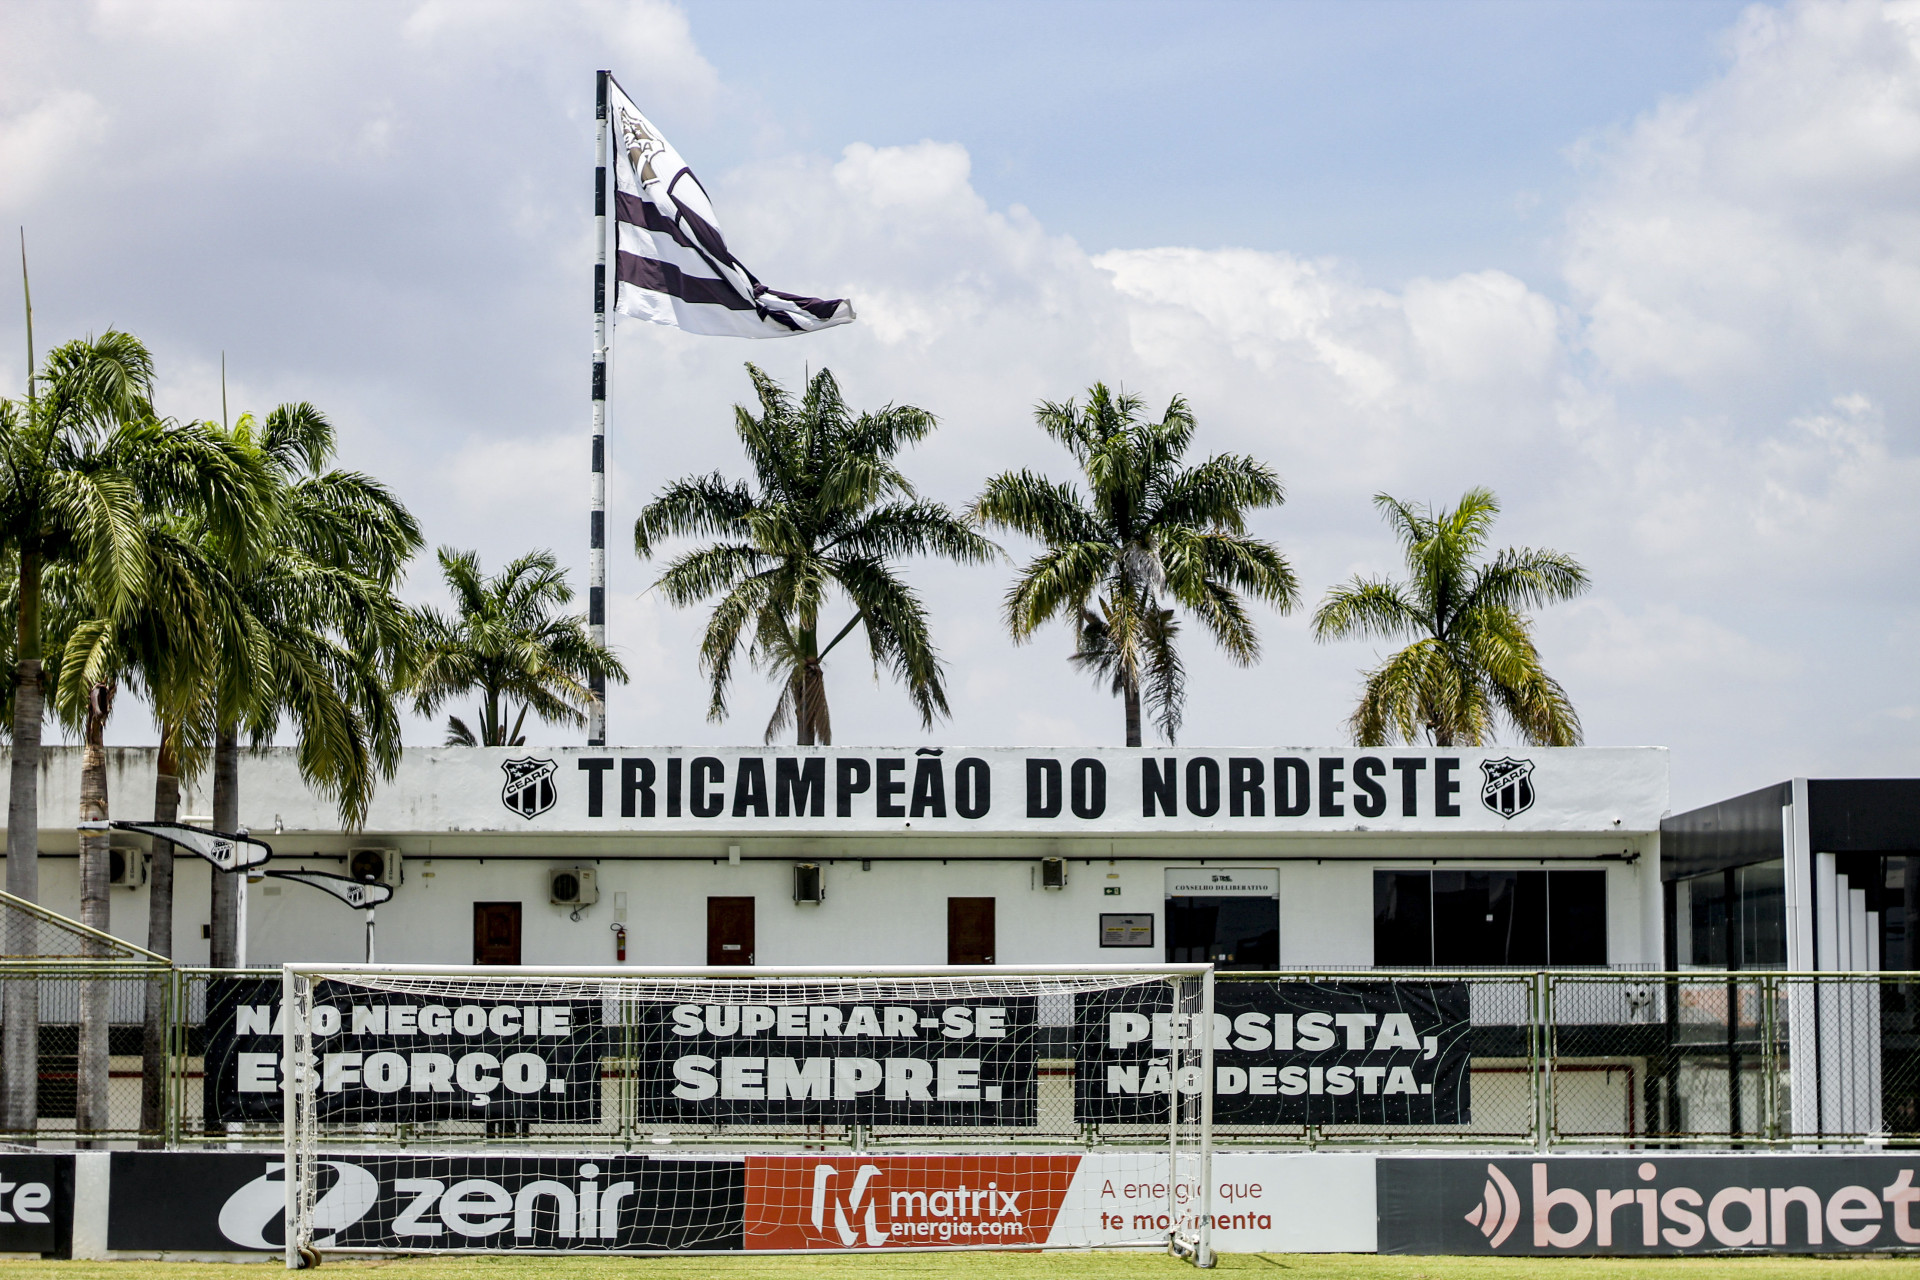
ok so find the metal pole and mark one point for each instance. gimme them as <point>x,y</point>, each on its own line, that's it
<point>296,1007</point>
<point>370,955</point>
<point>1203,1249</point>
<point>1175,1040</point>
<point>1542,1046</point>
<point>597,519</point>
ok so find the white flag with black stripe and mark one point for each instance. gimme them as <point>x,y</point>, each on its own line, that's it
<point>672,266</point>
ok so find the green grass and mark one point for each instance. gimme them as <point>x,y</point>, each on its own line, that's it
<point>1009,1266</point>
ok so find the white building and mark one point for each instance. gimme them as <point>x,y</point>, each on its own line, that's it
<point>1253,858</point>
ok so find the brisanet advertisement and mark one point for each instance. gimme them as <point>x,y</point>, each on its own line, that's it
<point>1653,1204</point>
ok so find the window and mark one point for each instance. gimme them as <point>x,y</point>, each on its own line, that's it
<point>1754,928</point>
<point>1230,931</point>
<point>1463,918</point>
<point>1402,918</point>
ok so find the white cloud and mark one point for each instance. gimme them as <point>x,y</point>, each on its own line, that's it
<point>38,143</point>
<point>1772,216</point>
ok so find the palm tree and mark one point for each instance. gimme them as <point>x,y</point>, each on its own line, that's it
<point>174,629</point>
<point>1472,658</point>
<point>507,641</point>
<point>67,497</point>
<point>831,512</point>
<point>333,641</point>
<point>1148,536</point>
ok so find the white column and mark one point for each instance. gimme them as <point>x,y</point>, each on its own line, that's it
<point>1831,1003</point>
<point>1799,878</point>
<point>1876,1115</point>
<point>1800,1003</point>
<point>1863,1033</point>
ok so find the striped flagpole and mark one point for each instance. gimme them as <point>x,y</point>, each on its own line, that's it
<point>597,521</point>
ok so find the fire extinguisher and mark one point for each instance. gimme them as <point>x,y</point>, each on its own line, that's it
<point>619,941</point>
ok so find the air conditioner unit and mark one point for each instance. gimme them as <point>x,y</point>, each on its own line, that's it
<point>1053,873</point>
<point>128,866</point>
<point>573,886</point>
<point>371,865</point>
<point>807,883</point>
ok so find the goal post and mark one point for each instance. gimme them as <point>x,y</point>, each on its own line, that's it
<point>477,1109</point>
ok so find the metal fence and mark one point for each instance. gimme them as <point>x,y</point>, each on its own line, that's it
<point>76,1002</point>
<point>1563,1058</point>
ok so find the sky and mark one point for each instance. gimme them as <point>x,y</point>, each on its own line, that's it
<point>1650,271</point>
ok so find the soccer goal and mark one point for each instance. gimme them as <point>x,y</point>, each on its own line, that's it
<point>628,1110</point>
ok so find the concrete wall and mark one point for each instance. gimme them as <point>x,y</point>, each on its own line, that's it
<point>895,913</point>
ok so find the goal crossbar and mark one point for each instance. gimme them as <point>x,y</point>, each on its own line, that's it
<point>850,973</point>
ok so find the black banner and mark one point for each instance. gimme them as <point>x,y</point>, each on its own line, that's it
<point>1659,1204</point>
<point>964,1062</point>
<point>36,1209</point>
<point>380,1056</point>
<point>1285,1053</point>
<point>208,1202</point>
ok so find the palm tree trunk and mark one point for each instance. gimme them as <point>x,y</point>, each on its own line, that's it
<point>153,1035</point>
<point>806,710</point>
<point>1131,693</point>
<point>224,952</point>
<point>816,729</point>
<point>96,912</point>
<point>20,1003</point>
<point>803,727</point>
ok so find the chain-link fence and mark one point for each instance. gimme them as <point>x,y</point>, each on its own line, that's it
<point>1545,1059</point>
<point>75,1008</point>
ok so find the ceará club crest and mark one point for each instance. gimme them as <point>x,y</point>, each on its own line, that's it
<point>1506,785</point>
<point>529,787</point>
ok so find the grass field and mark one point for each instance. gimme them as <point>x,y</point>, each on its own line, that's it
<point>1008,1266</point>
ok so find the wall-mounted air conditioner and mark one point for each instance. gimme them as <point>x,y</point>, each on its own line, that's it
<point>573,886</point>
<point>370,865</point>
<point>128,866</point>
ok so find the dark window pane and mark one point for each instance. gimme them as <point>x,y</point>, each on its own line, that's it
<point>1899,1001</point>
<point>1522,916</point>
<point>1248,936</point>
<point>1190,923</point>
<point>1489,917</point>
<point>1900,895</point>
<point>1462,917</point>
<point>1229,932</point>
<point>1578,916</point>
<point>1707,919</point>
<point>1763,915</point>
<point>1402,918</point>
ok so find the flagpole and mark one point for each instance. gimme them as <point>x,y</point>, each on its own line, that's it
<point>597,520</point>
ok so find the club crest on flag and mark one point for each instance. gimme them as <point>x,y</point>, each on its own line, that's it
<point>1506,785</point>
<point>529,788</point>
<point>640,142</point>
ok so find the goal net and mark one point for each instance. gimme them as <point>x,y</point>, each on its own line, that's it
<point>457,1109</point>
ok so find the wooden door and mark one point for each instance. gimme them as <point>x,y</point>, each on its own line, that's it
<point>729,931</point>
<point>496,933</point>
<point>969,930</point>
